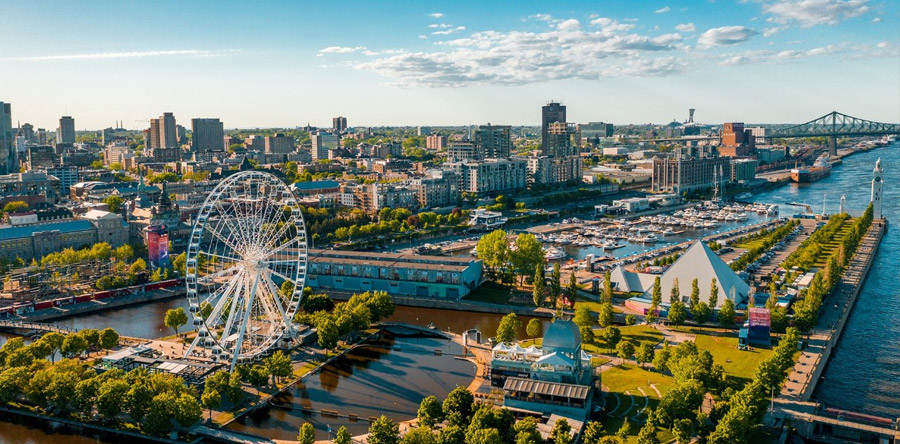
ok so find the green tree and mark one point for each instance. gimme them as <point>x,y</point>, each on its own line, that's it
<point>527,432</point>
<point>452,434</point>
<point>713,294</point>
<point>656,297</point>
<point>695,293</point>
<point>612,336</point>
<point>458,406</point>
<point>701,312</point>
<point>114,203</point>
<point>419,435</point>
<point>16,206</point>
<point>677,313</point>
<point>561,432</point>
<point>493,250</point>
<point>384,431</point>
<point>307,434</point>
<point>175,318</point>
<point>625,350</point>
<point>583,316</point>
<point>508,330</point>
<point>555,284</point>
<point>605,315</point>
<point>683,430</point>
<point>527,254</point>
<point>537,292</point>
<point>258,377</point>
<point>484,436</point>
<point>187,410</point>
<point>109,339</point>
<point>328,334</point>
<point>343,436</point>
<point>644,353</point>
<point>647,435</point>
<point>535,328</point>
<point>278,365</point>
<point>630,319</point>
<point>74,344</point>
<point>572,289</point>
<point>110,396</point>
<point>211,400</point>
<point>593,433</point>
<point>726,314</point>
<point>205,309</point>
<point>430,411</point>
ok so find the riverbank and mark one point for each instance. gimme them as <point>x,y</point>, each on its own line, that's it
<point>794,400</point>
<point>55,314</point>
<point>462,305</point>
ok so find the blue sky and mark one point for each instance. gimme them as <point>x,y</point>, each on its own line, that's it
<point>445,63</point>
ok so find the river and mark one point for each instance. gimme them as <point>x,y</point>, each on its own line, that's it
<point>864,371</point>
<point>388,376</point>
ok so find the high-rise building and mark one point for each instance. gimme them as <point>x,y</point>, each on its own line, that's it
<point>493,141</point>
<point>550,113</point>
<point>423,131</point>
<point>207,135</point>
<point>321,143</point>
<point>28,132</point>
<point>65,134</point>
<point>168,131</point>
<point>279,144</point>
<point>339,124</point>
<point>8,161</point>
<point>435,142</point>
<point>559,140</point>
<point>163,132</point>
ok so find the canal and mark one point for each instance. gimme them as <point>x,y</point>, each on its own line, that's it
<point>387,376</point>
<point>864,371</point>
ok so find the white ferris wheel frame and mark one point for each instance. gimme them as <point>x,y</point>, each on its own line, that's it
<point>243,283</point>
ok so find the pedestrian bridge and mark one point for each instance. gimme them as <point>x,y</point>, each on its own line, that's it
<point>36,326</point>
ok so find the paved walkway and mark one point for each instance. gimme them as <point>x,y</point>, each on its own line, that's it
<point>803,377</point>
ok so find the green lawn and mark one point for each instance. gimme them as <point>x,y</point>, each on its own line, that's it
<point>740,365</point>
<point>629,378</point>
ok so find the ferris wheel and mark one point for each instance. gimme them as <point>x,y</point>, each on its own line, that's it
<point>245,267</point>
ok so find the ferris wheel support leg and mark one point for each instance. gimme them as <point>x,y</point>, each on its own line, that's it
<point>247,309</point>
<point>191,347</point>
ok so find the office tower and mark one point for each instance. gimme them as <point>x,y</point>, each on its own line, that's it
<point>423,131</point>
<point>550,113</point>
<point>339,124</point>
<point>279,144</point>
<point>208,135</point>
<point>28,132</point>
<point>168,131</point>
<point>163,132</point>
<point>8,162</point>
<point>493,141</point>
<point>322,142</point>
<point>65,134</point>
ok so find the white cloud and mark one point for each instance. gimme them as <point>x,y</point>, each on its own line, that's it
<point>566,49</point>
<point>685,27</point>
<point>808,13</point>
<point>663,10</point>
<point>340,49</point>
<point>436,15</point>
<point>450,31</point>
<point>845,50</point>
<point>769,32</point>
<point>130,55</point>
<point>439,25</point>
<point>725,35</point>
<point>876,20</point>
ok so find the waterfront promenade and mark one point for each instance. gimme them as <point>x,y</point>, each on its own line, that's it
<point>793,402</point>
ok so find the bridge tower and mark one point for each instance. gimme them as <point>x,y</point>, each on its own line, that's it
<point>832,146</point>
<point>877,184</point>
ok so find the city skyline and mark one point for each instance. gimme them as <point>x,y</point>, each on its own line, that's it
<point>780,61</point>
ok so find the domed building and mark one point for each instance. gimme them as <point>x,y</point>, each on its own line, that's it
<point>554,378</point>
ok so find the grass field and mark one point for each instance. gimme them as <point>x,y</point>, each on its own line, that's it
<point>740,365</point>
<point>630,395</point>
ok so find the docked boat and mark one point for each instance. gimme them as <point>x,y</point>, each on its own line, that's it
<point>821,169</point>
<point>555,254</point>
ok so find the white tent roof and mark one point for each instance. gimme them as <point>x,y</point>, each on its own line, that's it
<point>701,263</point>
